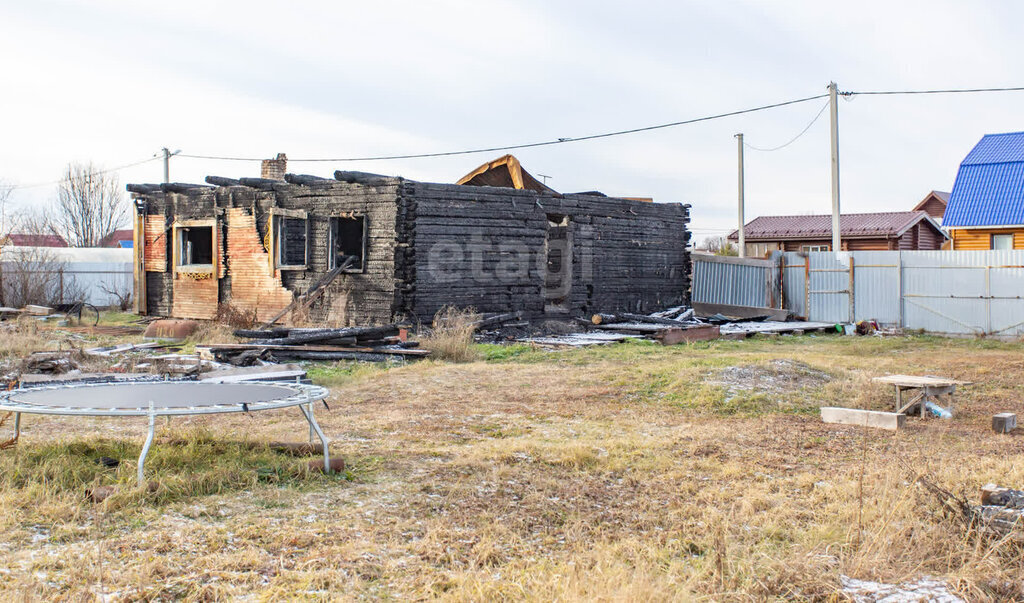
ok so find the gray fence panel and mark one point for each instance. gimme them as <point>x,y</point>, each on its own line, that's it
<point>961,292</point>
<point>829,292</point>
<point>731,281</point>
<point>794,283</point>
<point>876,286</point>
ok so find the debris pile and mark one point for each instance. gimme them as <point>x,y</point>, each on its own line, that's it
<point>375,344</point>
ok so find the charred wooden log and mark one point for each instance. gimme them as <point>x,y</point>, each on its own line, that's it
<point>264,184</point>
<point>353,177</point>
<point>143,189</point>
<point>222,181</point>
<point>305,179</point>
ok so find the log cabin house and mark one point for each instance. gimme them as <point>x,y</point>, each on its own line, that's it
<point>904,230</point>
<point>392,249</point>
<point>986,206</point>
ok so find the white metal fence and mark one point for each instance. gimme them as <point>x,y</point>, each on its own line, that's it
<point>953,292</point>
<point>65,274</point>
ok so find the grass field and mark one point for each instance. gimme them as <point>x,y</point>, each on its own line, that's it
<point>632,471</point>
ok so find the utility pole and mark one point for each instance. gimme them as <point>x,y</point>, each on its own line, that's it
<point>167,154</point>
<point>742,220</point>
<point>833,101</point>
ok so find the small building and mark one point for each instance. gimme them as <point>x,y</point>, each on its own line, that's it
<point>33,240</point>
<point>934,204</point>
<point>384,248</point>
<point>986,206</point>
<point>905,230</point>
<point>122,239</point>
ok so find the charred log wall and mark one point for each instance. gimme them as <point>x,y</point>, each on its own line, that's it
<point>491,249</point>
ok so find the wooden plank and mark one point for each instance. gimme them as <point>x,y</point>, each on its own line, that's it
<point>703,309</point>
<point>867,418</point>
<point>919,381</point>
<point>675,335</point>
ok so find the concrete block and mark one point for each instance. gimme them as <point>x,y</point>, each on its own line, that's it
<point>1004,422</point>
<point>869,418</point>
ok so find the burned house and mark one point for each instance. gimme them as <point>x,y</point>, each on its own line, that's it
<point>380,249</point>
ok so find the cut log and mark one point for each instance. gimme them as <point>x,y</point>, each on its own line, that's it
<point>867,418</point>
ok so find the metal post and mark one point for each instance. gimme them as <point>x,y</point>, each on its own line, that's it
<point>149,442</point>
<point>742,220</point>
<point>308,413</point>
<point>17,425</point>
<point>899,287</point>
<point>833,98</point>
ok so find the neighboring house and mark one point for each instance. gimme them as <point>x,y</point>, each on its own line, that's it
<point>905,230</point>
<point>986,207</point>
<point>119,238</point>
<point>33,240</point>
<point>934,204</point>
<point>395,249</point>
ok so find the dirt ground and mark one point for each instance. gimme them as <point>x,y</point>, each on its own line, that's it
<point>632,471</point>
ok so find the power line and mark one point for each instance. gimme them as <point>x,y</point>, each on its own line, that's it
<point>96,173</point>
<point>531,144</point>
<point>794,139</point>
<point>945,91</point>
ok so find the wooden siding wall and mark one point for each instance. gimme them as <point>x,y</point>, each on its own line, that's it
<point>156,244</point>
<point>981,239</point>
<point>254,287</point>
<point>485,248</point>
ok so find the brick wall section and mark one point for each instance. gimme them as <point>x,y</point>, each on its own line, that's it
<point>156,244</point>
<point>194,298</point>
<point>253,285</point>
<point>274,169</point>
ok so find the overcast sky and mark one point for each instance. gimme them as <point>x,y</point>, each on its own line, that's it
<point>113,82</point>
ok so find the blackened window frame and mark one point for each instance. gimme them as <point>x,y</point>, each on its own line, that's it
<point>332,256</point>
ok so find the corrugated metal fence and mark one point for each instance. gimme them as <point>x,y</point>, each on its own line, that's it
<point>955,292</point>
<point>64,274</point>
<point>723,280</point>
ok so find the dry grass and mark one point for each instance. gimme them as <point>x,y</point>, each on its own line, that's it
<point>451,335</point>
<point>614,474</point>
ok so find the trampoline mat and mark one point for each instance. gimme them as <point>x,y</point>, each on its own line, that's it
<point>164,395</point>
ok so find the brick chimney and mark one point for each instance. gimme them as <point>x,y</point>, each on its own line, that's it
<point>274,169</point>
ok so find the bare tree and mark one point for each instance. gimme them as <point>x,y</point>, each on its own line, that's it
<point>718,246</point>
<point>89,205</point>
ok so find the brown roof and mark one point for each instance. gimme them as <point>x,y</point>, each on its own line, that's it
<point>939,196</point>
<point>35,240</point>
<point>883,224</point>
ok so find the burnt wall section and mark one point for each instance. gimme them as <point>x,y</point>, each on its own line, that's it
<point>499,250</point>
<point>244,274</point>
<point>411,248</point>
<point>363,296</point>
<point>254,287</point>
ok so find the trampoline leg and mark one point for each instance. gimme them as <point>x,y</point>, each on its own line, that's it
<point>17,425</point>
<point>310,408</point>
<point>145,448</point>
<point>308,412</point>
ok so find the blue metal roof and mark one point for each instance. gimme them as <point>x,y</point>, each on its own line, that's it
<point>989,187</point>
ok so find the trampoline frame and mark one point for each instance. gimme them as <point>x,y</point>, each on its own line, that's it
<point>304,396</point>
